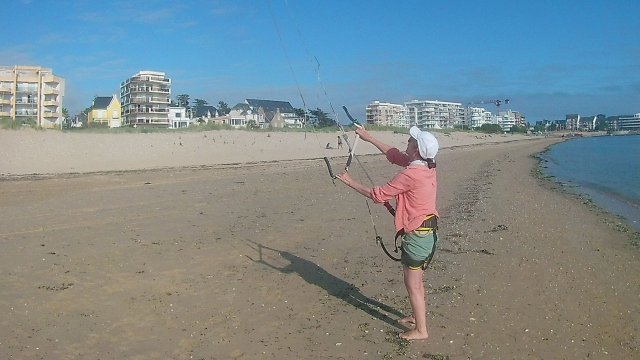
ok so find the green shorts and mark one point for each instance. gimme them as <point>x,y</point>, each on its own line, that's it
<point>417,248</point>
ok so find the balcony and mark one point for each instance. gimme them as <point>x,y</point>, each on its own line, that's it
<point>148,78</point>
<point>25,113</point>
<point>5,113</point>
<point>150,122</point>
<point>49,114</point>
<point>51,79</point>
<point>26,102</point>
<point>149,89</point>
<point>150,100</point>
<point>4,89</point>
<point>23,90</point>
<point>5,101</point>
<point>51,92</point>
<point>146,111</point>
<point>51,103</point>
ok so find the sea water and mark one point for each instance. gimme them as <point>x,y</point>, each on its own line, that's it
<point>605,168</point>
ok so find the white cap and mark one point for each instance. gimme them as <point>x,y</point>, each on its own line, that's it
<point>427,143</point>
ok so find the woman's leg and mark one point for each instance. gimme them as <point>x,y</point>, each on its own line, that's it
<point>415,288</point>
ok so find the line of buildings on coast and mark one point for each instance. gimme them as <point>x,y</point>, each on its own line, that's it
<point>145,100</point>
<point>434,114</point>
<point>575,122</point>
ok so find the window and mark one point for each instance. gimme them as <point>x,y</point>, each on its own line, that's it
<point>102,114</point>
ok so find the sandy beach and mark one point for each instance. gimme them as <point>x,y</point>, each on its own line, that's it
<point>54,152</point>
<point>237,245</point>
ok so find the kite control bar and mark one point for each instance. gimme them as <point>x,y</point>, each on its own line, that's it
<point>353,121</point>
<point>333,177</point>
<point>352,149</point>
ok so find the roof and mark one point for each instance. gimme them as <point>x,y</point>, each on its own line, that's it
<point>82,116</point>
<point>200,111</point>
<point>271,105</point>
<point>241,106</point>
<point>101,102</point>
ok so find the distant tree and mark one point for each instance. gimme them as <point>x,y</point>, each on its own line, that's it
<point>200,102</point>
<point>518,129</point>
<point>539,128</point>
<point>252,124</point>
<point>553,127</point>
<point>320,118</point>
<point>302,114</point>
<point>183,100</point>
<point>491,128</point>
<point>223,108</point>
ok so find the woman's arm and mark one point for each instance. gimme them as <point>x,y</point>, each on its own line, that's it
<point>348,180</point>
<point>364,135</point>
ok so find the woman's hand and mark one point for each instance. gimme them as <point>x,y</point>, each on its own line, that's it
<point>345,178</point>
<point>364,135</point>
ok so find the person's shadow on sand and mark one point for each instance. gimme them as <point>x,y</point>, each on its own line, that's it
<point>314,274</point>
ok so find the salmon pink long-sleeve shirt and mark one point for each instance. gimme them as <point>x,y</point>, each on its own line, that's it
<point>414,189</point>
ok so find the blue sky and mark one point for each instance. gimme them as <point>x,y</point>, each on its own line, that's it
<point>550,58</point>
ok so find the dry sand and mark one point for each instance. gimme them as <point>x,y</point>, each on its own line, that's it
<point>43,152</point>
<point>270,260</point>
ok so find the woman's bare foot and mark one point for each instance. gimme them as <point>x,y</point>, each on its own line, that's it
<point>409,319</point>
<point>414,335</point>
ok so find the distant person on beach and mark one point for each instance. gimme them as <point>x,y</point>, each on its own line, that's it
<point>339,142</point>
<point>328,146</point>
<point>414,189</point>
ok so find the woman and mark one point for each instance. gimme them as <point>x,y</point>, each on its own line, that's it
<point>414,189</point>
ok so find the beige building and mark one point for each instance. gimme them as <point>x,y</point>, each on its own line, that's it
<point>386,114</point>
<point>31,93</point>
<point>145,99</point>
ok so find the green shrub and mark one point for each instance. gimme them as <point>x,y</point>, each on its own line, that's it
<point>16,124</point>
<point>491,129</point>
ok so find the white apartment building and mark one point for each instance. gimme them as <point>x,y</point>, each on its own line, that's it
<point>145,99</point>
<point>386,114</point>
<point>476,117</point>
<point>434,114</point>
<point>507,119</point>
<point>628,123</point>
<point>31,92</point>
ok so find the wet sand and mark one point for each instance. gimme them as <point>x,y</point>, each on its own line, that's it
<point>270,260</point>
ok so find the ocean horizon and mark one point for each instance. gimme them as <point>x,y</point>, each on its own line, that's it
<point>604,168</point>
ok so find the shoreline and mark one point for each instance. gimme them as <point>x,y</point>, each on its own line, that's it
<point>608,201</point>
<point>212,262</point>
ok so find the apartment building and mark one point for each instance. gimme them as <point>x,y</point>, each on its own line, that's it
<point>476,117</point>
<point>434,114</point>
<point>31,93</point>
<point>520,119</point>
<point>628,123</point>
<point>572,122</point>
<point>145,99</point>
<point>386,114</point>
<point>508,119</point>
